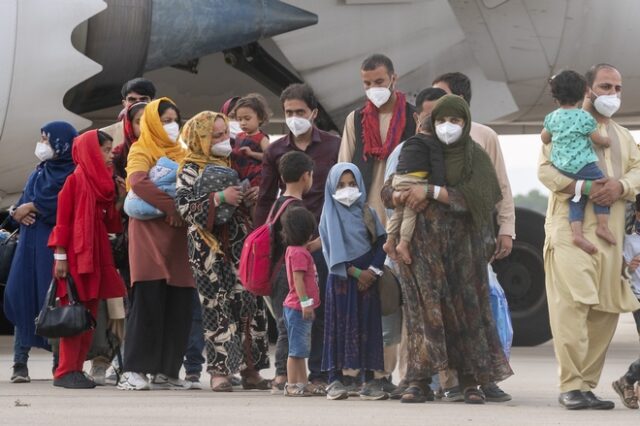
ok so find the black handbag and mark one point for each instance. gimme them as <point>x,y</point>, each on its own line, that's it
<point>7,251</point>
<point>63,321</point>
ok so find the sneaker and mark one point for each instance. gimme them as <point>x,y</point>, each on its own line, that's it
<point>493,393</point>
<point>133,381</point>
<point>372,391</point>
<point>626,392</point>
<point>111,377</point>
<point>352,386</point>
<point>20,374</point>
<point>98,372</point>
<point>336,391</point>
<point>399,390</point>
<point>74,380</point>
<point>194,381</point>
<point>387,385</point>
<point>452,395</point>
<point>162,382</point>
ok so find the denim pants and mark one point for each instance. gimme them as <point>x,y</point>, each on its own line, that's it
<point>20,353</point>
<point>280,291</point>
<point>193,358</point>
<point>576,209</point>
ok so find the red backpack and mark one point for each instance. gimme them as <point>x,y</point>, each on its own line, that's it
<point>255,260</point>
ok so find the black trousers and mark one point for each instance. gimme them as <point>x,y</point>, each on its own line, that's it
<point>158,326</point>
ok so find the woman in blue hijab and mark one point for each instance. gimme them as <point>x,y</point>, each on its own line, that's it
<point>32,266</point>
<point>352,238</point>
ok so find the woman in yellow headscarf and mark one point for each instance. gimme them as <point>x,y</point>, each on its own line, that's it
<point>211,202</point>
<point>162,283</point>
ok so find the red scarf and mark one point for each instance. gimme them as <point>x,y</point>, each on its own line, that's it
<point>371,128</point>
<point>121,151</point>
<point>95,191</point>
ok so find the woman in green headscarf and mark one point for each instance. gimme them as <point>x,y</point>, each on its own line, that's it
<point>446,293</point>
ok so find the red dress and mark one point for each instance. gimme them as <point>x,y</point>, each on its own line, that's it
<point>247,167</point>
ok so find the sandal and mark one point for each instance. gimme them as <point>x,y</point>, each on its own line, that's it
<point>263,384</point>
<point>413,395</point>
<point>223,384</point>
<point>316,390</point>
<point>473,395</point>
<point>296,390</point>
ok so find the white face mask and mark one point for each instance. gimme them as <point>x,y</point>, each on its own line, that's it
<point>378,95</point>
<point>448,133</point>
<point>234,128</point>
<point>44,151</point>
<point>298,125</point>
<point>173,130</point>
<point>607,105</point>
<point>347,196</point>
<point>222,149</point>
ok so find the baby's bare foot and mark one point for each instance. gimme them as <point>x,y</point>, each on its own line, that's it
<point>585,244</point>
<point>389,247</point>
<point>605,233</point>
<point>403,252</point>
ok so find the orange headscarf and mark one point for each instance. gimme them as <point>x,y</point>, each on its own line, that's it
<point>153,143</point>
<point>197,134</point>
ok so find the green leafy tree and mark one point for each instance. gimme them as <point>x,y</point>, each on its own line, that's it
<point>534,200</point>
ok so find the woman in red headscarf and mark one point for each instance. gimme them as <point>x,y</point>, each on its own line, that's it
<point>87,211</point>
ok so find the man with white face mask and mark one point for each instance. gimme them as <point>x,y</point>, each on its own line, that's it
<point>372,132</point>
<point>586,293</point>
<point>300,110</point>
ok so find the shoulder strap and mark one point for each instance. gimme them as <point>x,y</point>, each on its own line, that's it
<point>272,218</point>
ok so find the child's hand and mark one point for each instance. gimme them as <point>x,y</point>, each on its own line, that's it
<point>246,150</point>
<point>308,314</point>
<point>605,141</point>
<point>634,264</point>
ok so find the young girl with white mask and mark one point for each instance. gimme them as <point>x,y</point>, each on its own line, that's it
<point>352,238</point>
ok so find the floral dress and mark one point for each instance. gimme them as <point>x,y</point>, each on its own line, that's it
<point>234,320</point>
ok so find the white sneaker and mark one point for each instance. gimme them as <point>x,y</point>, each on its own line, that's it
<point>194,381</point>
<point>162,382</point>
<point>133,381</point>
<point>111,378</point>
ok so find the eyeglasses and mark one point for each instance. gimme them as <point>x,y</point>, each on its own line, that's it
<point>133,99</point>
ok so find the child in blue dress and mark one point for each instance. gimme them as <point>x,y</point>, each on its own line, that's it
<point>572,131</point>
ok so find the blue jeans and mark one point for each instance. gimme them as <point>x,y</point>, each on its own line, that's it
<point>576,209</point>
<point>298,333</point>
<point>20,353</point>
<point>193,358</point>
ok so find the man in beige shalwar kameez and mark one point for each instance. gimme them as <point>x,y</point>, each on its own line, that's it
<point>586,293</point>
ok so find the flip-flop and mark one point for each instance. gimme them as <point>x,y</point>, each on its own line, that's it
<point>413,395</point>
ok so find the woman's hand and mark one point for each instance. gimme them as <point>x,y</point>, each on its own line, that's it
<point>121,187</point>
<point>416,198</point>
<point>366,280</point>
<point>61,269</point>
<point>25,214</point>
<point>251,196</point>
<point>174,220</point>
<point>308,314</point>
<point>314,245</point>
<point>233,195</point>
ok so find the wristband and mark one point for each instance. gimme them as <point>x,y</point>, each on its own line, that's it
<point>436,191</point>
<point>307,303</point>
<point>578,192</point>
<point>59,256</point>
<point>587,187</point>
<point>356,273</point>
<point>221,197</point>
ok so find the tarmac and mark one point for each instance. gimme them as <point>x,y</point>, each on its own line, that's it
<point>534,390</point>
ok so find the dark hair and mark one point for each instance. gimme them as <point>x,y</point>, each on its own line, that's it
<point>165,105</point>
<point>568,87</point>
<point>103,138</point>
<point>257,103</point>
<point>139,85</point>
<point>428,94</point>
<point>590,75</point>
<point>377,60</point>
<point>293,165</point>
<point>298,225</point>
<point>302,92</point>
<point>133,110</point>
<point>458,83</point>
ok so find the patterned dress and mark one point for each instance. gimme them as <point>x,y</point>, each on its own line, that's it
<point>446,299</point>
<point>234,320</point>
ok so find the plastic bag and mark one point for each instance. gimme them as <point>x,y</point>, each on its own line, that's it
<point>500,310</point>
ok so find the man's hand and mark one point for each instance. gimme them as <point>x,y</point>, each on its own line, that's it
<point>605,191</point>
<point>504,245</point>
